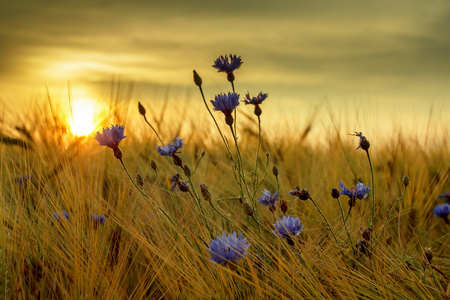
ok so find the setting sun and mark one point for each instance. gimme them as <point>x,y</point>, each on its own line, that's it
<point>82,117</point>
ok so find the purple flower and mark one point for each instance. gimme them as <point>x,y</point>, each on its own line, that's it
<point>111,137</point>
<point>226,103</point>
<point>442,211</point>
<point>445,196</point>
<point>287,227</point>
<point>98,219</point>
<point>227,64</point>
<point>58,216</point>
<point>359,193</point>
<point>267,200</point>
<point>171,148</point>
<point>255,100</point>
<point>228,249</point>
<point>22,181</point>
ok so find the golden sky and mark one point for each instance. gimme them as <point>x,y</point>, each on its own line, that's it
<point>389,55</point>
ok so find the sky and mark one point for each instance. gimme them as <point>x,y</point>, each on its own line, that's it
<point>391,57</point>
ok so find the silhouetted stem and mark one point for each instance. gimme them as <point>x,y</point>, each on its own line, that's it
<point>345,225</point>
<point>373,192</point>
<point>257,152</point>
<point>154,130</point>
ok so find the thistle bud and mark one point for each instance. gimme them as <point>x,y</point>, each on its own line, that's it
<point>275,171</point>
<point>153,165</point>
<point>197,79</point>
<point>141,109</point>
<point>205,192</point>
<point>405,180</point>
<point>139,180</point>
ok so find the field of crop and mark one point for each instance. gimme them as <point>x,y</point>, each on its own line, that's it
<point>84,221</point>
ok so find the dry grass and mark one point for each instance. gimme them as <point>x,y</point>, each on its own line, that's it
<point>138,253</point>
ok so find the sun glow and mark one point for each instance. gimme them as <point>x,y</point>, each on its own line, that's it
<point>81,119</point>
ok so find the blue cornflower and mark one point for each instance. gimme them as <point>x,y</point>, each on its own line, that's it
<point>227,64</point>
<point>111,137</point>
<point>98,219</point>
<point>58,216</point>
<point>359,193</point>
<point>442,211</point>
<point>287,227</point>
<point>267,200</point>
<point>171,148</point>
<point>445,196</point>
<point>228,249</point>
<point>22,181</point>
<point>255,100</point>
<point>226,103</point>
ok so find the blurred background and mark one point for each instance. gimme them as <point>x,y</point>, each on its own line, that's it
<point>379,66</point>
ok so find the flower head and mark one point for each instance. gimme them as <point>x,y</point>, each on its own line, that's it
<point>225,103</point>
<point>363,142</point>
<point>267,200</point>
<point>227,64</point>
<point>255,100</point>
<point>442,211</point>
<point>287,227</point>
<point>228,249</point>
<point>98,219</point>
<point>302,194</point>
<point>177,183</point>
<point>171,148</point>
<point>111,137</point>
<point>59,215</point>
<point>22,181</point>
<point>445,196</point>
<point>359,193</point>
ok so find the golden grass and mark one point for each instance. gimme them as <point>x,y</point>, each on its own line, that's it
<point>139,254</point>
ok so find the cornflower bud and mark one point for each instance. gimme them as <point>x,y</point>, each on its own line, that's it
<point>153,165</point>
<point>428,254</point>
<point>275,171</point>
<point>205,192</point>
<point>405,180</point>
<point>197,79</point>
<point>335,193</point>
<point>248,210</point>
<point>141,109</point>
<point>139,180</point>
<point>187,170</point>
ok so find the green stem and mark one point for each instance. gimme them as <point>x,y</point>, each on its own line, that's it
<point>323,216</point>
<point>345,225</point>
<point>390,211</point>
<point>257,153</point>
<point>176,226</point>
<point>373,192</point>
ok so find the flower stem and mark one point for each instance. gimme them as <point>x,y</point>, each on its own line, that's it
<point>176,226</point>
<point>373,192</point>
<point>390,211</point>
<point>323,216</point>
<point>257,153</point>
<point>345,225</point>
<point>154,130</point>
